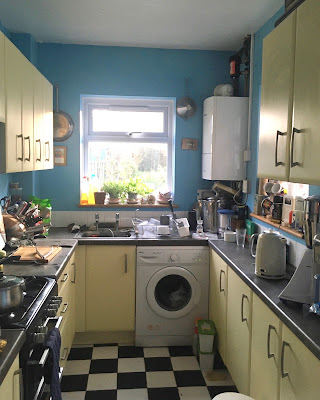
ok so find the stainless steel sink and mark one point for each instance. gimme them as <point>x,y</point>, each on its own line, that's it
<point>105,232</point>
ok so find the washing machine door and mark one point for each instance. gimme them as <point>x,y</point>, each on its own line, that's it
<point>173,292</point>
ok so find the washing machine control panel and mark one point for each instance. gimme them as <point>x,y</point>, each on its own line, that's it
<point>172,255</point>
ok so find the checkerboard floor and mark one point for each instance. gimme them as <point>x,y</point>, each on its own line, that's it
<point>115,372</point>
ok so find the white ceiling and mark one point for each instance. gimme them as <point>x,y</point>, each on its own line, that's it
<point>173,24</point>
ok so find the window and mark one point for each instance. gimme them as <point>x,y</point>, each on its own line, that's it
<point>127,138</point>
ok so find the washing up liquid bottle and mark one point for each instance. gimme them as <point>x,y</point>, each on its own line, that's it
<point>93,187</point>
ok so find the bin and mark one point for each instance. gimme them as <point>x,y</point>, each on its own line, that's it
<point>207,331</point>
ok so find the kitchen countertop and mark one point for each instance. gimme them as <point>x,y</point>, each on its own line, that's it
<point>15,339</point>
<point>304,325</point>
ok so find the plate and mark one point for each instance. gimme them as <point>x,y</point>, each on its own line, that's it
<point>132,202</point>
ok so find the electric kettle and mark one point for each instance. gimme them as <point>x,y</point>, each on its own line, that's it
<point>270,254</point>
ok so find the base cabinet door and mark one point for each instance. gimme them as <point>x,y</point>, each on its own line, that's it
<point>110,288</point>
<point>300,370</point>
<point>218,299</point>
<point>239,307</point>
<point>10,387</point>
<point>265,352</point>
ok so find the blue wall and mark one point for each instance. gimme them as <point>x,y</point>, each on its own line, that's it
<point>120,71</point>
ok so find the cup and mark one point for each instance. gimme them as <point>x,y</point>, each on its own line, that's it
<point>241,236</point>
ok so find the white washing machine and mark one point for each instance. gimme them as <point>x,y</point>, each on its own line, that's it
<point>171,292</point>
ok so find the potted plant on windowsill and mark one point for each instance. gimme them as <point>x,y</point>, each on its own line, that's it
<point>115,189</point>
<point>135,187</point>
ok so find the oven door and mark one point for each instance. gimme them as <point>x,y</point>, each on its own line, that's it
<point>38,371</point>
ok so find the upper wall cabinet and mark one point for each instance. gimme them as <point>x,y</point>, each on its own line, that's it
<point>2,104</point>
<point>27,134</point>
<point>290,99</point>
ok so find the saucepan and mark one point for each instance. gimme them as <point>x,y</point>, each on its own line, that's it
<point>11,292</point>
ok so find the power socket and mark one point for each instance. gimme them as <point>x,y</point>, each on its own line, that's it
<point>245,186</point>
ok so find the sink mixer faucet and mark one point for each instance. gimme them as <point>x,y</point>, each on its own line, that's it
<point>97,221</point>
<point>117,221</point>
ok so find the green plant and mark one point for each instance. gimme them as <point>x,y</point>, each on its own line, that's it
<point>135,185</point>
<point>114,188</point>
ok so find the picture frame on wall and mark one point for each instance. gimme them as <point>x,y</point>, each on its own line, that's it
<point>60,155</point>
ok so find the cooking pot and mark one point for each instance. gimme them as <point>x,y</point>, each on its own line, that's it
<point>11,292</point>
<point>270,254</point>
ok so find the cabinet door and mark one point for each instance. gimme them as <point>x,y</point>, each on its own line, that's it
<point>299,370</point>
<point>10,387</point>
<point>306,139</point>
<point>38,120</point>
<point>110,288</point>
<point>47,97</point>
<point>2,86</point>
<point>265,352</point>
<point>276,101</point>
<point>27,113</point>
<point>239,307</point>
<point>218,299</point>
<point>14,137</point>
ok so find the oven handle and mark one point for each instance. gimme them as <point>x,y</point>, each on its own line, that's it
<point>58,323</point>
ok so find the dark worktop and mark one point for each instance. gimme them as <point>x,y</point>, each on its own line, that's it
<point>304,325</point>
<point>15,339</point>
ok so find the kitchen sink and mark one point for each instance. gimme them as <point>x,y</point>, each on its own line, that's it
<point>105,232</point>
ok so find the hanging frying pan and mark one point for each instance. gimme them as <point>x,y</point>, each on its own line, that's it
<point>186,106</point>
<point>62,122</point>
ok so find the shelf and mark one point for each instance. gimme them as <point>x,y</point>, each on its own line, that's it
<point>278,226</point>
<point>125,205</point>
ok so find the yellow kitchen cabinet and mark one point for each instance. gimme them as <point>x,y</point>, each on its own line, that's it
<point>299,369</point>
<point>10,386</point>
<point>66,290</point>
<point>38,121</point>
<point>218,299</point>
<point>265,352</point>
<point>47,115</point>
<point>290,99</point>
<point>12,160</point>
<point>26,138</point>
<point>2,86</point>
<point>80,287</point>
<point>239,309</point>
<point>110,288</point>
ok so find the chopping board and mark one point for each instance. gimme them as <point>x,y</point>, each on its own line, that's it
<point>29,253</point>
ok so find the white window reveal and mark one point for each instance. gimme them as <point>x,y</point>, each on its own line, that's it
<point>127,138</point>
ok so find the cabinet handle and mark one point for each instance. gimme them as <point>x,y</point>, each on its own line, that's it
<point>20,137</point>
<point>47,147</point>
<point>39,141</point>
<point>29,147</point>
<point>65,277</point>
<point>283,374</point>
<point>220,280</point>
<point>293,163</point>
<point>125,263</point>
<point>65,353</point>
<point>66,305</point>
<point>270,328</point>
<point>242,300</point>
<point>74,272</point>
<point>276,162</point>
<point>19,373</point>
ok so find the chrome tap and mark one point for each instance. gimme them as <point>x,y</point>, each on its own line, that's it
<point>97,221</point>
<point>117,221</point>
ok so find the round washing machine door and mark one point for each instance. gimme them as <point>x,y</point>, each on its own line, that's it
<point>173,292</point>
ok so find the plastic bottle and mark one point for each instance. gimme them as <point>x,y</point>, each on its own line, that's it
<point>84,190</point>
<point>195,347</point>
<point>93,187</point>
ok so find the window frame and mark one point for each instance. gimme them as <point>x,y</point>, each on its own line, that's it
<point>166,105</point>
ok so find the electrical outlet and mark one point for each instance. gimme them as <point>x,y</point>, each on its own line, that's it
<point>245,186</point>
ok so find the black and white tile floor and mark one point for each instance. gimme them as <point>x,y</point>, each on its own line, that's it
<point>115,372</point>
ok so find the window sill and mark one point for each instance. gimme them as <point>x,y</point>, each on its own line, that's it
<point>125,205</point>
<point>278,226</point>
